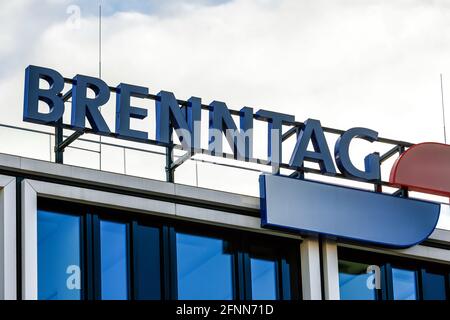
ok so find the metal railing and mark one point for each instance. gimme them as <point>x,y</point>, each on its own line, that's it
<point>124,148</point>
<point>399,147</point>
<point>178,159</point>
<point>172,163</point>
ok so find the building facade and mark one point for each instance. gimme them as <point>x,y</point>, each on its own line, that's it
<point>69,232</point>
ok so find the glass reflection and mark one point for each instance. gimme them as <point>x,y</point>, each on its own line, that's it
<point>353,279</point>
<point>147,259</point>
<point>59,274</point>
<point>114,270</point>
<point>433,286</point>
<point>204,268</point>
<point>404,284</point>
<point>264,280</point>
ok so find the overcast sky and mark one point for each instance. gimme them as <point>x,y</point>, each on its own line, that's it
<point>348,63</point>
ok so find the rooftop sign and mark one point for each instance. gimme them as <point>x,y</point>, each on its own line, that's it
<point>290,204</point>
<point>185,121</point>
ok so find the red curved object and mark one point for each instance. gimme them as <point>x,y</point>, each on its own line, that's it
<point>425,167</point>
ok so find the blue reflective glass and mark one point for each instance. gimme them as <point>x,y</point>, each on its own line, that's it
<point>113,260</point>
<point>264,279</point>
<point>147,259</point>
<point>433,286</point>
<point>59,273</point>
<point>204,268</point>
<point>354,281</point>
<point>404,284</point>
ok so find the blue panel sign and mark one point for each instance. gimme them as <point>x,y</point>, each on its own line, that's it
<point>314,207</point>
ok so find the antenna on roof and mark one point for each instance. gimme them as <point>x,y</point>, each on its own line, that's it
<point>100,67</point>
<point>100,39</point>
<point>443,110</point>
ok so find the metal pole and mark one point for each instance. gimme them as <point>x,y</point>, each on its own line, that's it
<point>58,140</point>
<point>50,147</point>
<point>443,110</point>
<point>404,191</point>
<point>196,173</point>
<point>100,69</point>
<point>170,173</point>
<point>124,161</point>
<point>100,40</point>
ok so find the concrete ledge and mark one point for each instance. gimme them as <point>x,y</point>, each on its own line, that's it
<point>101,198</point>
<point>214,196</point>
<point>440,236</point>
<point>419,252</point>
<point>146,206</point>
<point>226,219</point>
<point>150,187</point>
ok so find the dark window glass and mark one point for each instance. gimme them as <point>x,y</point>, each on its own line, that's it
<point>113,260</point>
<point>404,284</point>
<point>204,267</point>
<point>125,260</point>
<point>147,259</point>
<point>59,272</point>
<point>433,286</point>
<point>289,278</point>
<point>264,279</point>
<point>354,281</point>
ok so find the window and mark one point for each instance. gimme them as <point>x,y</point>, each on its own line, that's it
<point>114,260</point>
<point>59,256</point>
<point>399,278</point>
<point>272,274</point>
<point>229,265</point>
<point>147,262</point>
<point>404,284</point>
<point>264,279</point>
<point>86,252</point>
<point>434,286</point>
<point>205,268</point>
<point>355,282</point>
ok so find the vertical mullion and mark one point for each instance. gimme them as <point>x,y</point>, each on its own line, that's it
<point>278,279</point>
<point>173,263</point>
<point>447,286</point>
<point>88,257</point>
<point>420,278</point>
<point>246,267</point>
<point>134,270</point>
<point>83,260</point>
<point>238,275</point>
<point>130,262</point>
<point>96,261</point>
<point>169,254</point>
<point>165,262</point>
<point>284,283</point>
<point>388,290</point>
<point>247,273</point>
<point>242,277</point>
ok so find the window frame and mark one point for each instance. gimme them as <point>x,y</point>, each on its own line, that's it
<point>386,262</point>
<point>97,218</point>
<point>92,214</point>
<point>239,240</point>
<point>49,207</point>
